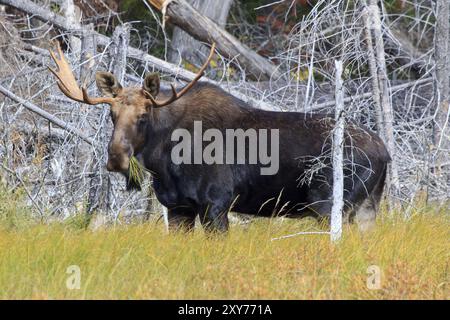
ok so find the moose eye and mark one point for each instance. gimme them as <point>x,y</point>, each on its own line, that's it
<point>142,120</point>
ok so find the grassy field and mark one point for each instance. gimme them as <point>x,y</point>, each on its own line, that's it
<point>140,261</point>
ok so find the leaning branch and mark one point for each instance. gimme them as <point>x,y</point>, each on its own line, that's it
<point>442,70</point>
<point>58,122</point>
<point>368,95</point>
<point>183,15</point>
<point>60,22</point>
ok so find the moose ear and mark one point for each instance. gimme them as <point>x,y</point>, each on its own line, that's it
<point>151,84</point>
<point>107,84</point>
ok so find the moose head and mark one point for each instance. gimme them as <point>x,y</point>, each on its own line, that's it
<point>130,106</point>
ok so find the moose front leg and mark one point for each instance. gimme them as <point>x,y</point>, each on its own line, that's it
<point>214,218</point>
<point>181,218</point>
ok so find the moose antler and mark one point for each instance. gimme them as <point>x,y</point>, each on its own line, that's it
<point>67,83</point>
<point>176,95</point>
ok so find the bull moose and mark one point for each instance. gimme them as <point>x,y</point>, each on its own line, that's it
<point>146,118</point>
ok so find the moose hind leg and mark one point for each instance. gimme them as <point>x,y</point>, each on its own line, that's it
<point>320,200</point>
<point>366,214</point>
<point>367,208</point>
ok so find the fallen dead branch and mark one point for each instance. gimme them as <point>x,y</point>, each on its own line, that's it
<point>46,115</point>
<point>183,15</point>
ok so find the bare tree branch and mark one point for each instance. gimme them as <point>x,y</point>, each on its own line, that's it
<point>46,115</point>
<point>202,28</point>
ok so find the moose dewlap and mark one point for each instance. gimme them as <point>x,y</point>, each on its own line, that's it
<point>146,118</point>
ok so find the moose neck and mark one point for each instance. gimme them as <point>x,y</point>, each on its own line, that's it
<point>206,103</point>
<point>159,131</point>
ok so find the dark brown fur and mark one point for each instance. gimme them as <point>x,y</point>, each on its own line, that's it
<point>210,191</point>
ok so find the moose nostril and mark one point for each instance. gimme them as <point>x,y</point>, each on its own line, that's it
<point>109,166</point>
<point>113,160</point>
<point>118,161</point>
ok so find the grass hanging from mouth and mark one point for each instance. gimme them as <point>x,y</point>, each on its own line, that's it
<point>135,172</point>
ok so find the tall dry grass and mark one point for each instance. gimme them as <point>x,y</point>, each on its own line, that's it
<point>140,261</point>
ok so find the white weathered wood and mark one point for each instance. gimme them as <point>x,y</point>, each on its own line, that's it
<point>46,115</point>
<point>376,95</point>
<point>183,15</point>
<point>88,53</point>
<point>338,158</point>
<point>118,52</point>
<point>183,45</point>
<point>88,61</point>
<point>373,12</point>
<point>165,216</point>
<point>43,14</point>
<point>367,95</point>
<point>442,81</point>
<point>73,16</point>
<point>304,233</point>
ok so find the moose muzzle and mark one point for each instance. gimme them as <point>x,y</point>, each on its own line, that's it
<point>118,160</point>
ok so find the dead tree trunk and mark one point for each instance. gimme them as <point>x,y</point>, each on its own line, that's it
<point>73,16</point>
<point>88,52</point>
<point>118,52</point>
<point>376,95</point>
<point>381,91</point>
<point>338,159</point>
<point>183,15</point>
<point>183,45</point>
<point>442,83</point>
